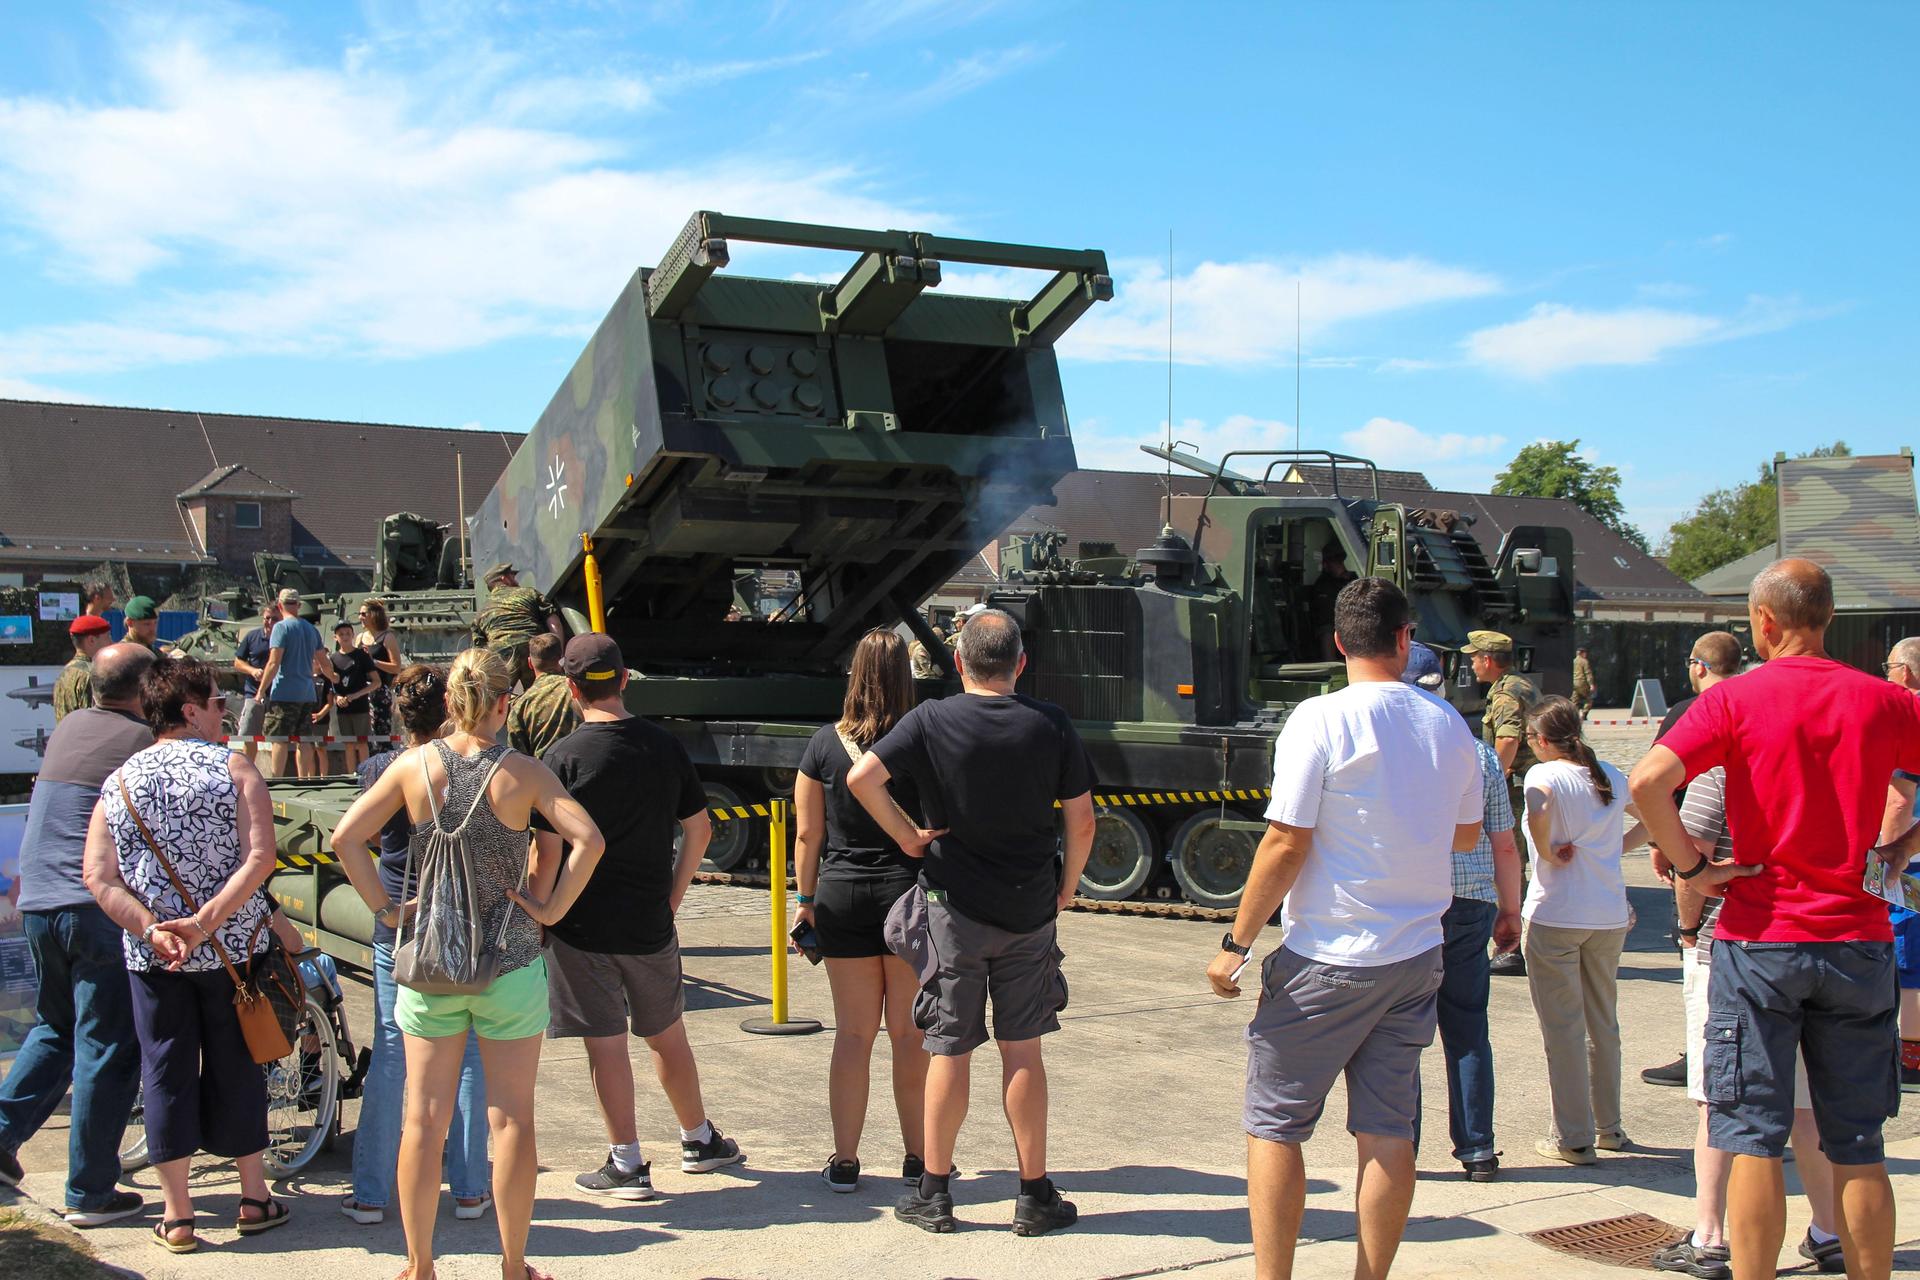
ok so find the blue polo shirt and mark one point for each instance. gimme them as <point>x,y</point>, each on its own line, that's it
<point>298,640</point>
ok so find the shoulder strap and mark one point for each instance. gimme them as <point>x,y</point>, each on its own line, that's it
<point>854,753</point>
<point>193,908</point>
<point>433,808</point>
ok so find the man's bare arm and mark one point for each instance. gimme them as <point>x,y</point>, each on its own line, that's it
<point>1276,865</point>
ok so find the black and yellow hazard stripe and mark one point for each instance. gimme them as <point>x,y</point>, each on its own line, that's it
<point>304,861</point>
<point>1147,799</point>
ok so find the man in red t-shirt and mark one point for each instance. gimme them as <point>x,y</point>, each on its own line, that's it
<point>1803,955</point>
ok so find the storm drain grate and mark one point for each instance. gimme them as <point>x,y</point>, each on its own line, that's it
<point>1629,1241</point>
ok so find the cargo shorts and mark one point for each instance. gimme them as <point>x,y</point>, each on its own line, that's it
<point>973,962</point>
<point>290,720</point>
<point>1837,1003</point>
<point>1317,1022</point>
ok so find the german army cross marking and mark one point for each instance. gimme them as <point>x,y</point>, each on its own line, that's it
<point>556,487</point>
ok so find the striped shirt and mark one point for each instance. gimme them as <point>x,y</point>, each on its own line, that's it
<point>1473,870</point>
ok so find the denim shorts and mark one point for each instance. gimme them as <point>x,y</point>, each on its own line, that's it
<point>1834,1001</point>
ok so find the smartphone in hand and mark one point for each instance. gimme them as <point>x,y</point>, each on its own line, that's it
<point>807,940</point>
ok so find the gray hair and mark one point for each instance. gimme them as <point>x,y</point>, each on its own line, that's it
<point>289,598</point>
<point>1907,651</point>
<point>1798,593</point>
<point>117,670</point>
<point>990,645</point>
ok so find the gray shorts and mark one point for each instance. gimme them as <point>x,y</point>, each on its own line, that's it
<point>1838,1003</point>
<point>975,961</point>
<point>253,718</point>
<point>594,994</point>
<point>1316,1021</point>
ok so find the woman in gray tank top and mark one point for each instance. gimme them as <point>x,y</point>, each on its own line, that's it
<point>471,784</point>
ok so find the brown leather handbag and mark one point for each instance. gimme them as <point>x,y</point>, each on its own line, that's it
<point>266,1039</point>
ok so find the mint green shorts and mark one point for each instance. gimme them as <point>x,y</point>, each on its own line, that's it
<point>513,1007</point>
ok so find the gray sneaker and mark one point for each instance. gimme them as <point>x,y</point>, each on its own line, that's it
<point>608,1181</point>
<point>124,1204</point>
<point>1709,1262</point>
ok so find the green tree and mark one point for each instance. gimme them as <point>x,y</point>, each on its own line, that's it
<point>1730,523</point>
<point>1555,469</point>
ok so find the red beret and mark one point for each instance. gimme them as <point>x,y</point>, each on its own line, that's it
<point>88,624</point>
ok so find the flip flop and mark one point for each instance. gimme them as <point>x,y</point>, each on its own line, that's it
<point>273,1214</point>
<point>161,1238</point>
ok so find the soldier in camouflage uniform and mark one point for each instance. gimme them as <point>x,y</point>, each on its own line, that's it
<point>1510,696</point>
<point>513,616</point>
<point>1582,682</point>
<point>546,713</point>
<point>74,689</point>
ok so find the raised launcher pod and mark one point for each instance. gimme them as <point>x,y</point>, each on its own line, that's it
<point>869,436</point>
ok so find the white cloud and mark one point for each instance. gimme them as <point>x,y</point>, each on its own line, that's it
<point>1242,313</point>
<point>1404,446</point>
<point>1102,448</point>
<point>21,389</point>
<point>346,209</point>
<point>1553,337</point>
<point>967,74</point>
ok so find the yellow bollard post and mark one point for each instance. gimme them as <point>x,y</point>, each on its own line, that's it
<point>779,1024</point>
<point>596,606</point>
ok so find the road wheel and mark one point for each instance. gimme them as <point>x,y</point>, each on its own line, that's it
<point>733,837</point>
<point>1122,857</point>
<point>1211,864</point>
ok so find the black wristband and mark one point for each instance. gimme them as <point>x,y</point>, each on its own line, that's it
<point>1690,933</point>
<point>1698,867</point>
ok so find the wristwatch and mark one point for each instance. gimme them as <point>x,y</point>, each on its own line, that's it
<point>146,934</point>
<point>1228,944</point>
<point>391,909</point>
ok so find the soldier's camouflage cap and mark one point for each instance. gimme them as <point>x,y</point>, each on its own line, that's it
<point>498,571</point>
<point>1488,642</point>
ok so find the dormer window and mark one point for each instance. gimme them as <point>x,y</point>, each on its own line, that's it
<point>246,515</point>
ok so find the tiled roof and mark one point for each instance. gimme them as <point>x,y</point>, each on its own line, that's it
<point>1125,508</point>
<point>104,481</point>
<point>1355,483</point>
<point>1732,580</point>
<point>235,481</point>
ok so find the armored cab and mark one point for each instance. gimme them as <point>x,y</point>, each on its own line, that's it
<point>864,437</point>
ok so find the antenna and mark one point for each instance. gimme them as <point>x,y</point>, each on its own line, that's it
<point>1167,484</point>
<point>1296,364</point>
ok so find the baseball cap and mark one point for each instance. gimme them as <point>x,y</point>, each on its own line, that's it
<point>141,608</point>
<point>88,624</point>
<point>1488,642</point>
<point>972,610</point>
<point>1423,667</point>
<point>498,571</point>
<point>592,658</point>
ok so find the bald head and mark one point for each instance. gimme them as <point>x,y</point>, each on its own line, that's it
<point>116,674</point>
<point>1798,593</point>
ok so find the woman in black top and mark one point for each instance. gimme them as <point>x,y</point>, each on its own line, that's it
<point>850,875</point>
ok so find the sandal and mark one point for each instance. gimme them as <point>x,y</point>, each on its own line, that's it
<point>272,1214</point>
<point>163,1238</point>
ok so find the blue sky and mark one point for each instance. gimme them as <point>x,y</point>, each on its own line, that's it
<point>1681,234</point>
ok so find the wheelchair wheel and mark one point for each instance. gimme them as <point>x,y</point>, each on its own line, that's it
<point>133,1147</point>
<point>303,1095</point>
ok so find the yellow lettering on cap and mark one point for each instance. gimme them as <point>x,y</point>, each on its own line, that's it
<point>601,675</point>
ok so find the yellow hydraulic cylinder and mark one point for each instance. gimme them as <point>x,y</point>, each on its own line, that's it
<point>596,604</point>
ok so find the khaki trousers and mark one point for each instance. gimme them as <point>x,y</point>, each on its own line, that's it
<point>1574,978</point>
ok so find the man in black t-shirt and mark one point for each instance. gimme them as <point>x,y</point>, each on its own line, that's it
<point>989,766</point>
<point>613,962</point>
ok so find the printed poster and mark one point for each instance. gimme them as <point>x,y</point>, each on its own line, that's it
<point>26,716</point>
<point>17,985</point>
<point>59,606</point>
<point>16,628</point>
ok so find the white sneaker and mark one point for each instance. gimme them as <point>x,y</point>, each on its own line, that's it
<point>365,1215</point>
<point>468,1212</point>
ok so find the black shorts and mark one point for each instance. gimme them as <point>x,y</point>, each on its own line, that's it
<point>849,912</point>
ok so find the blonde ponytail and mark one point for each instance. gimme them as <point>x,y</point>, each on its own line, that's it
<point>478,679</point>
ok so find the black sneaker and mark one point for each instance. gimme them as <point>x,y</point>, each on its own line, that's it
<point>124,1204</point>
<point>11,1172</point>
<point>608,1181</point>
<point>1037,1215</point>
<point>1674,1074</point>
<point>715,1153</point>
<point>929,1213</point>
<point>913,1166</point>
<point>841,1176</point>
<point>1826,1256</point>
<point>1509,964</point>
<point>1709,1262</point>
<point>1481,1170</point>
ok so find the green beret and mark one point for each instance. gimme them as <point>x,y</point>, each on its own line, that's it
<point>141,609</point>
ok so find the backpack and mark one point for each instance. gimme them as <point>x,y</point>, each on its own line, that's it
<point>448,954</point>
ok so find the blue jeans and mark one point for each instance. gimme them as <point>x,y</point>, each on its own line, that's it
<point>84,1037</point>
<point>376,1143</point>
<point>1467,925</point>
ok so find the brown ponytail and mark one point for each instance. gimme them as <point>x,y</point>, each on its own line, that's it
<point>1557,722</point>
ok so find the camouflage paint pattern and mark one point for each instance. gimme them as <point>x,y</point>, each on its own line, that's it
<point>1855,517</point>
<point>74,689</point>
<point>542,716</point>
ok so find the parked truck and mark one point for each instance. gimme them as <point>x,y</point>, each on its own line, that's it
<point>860,441</point>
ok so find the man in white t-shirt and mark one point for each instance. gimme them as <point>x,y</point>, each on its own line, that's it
<point>1374,788</point>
